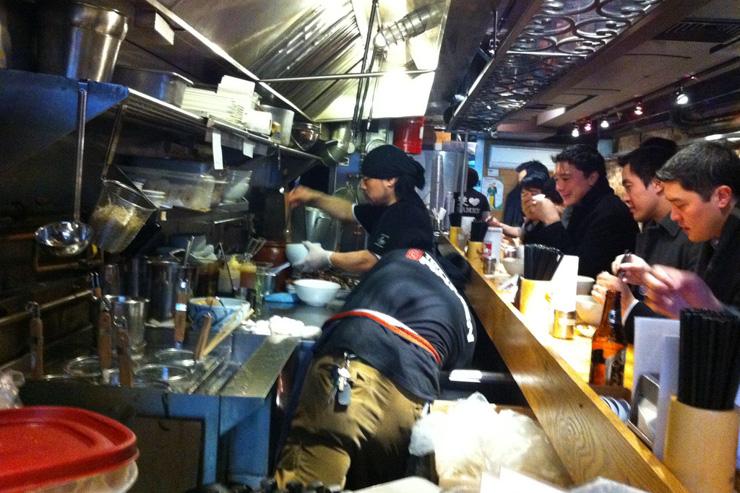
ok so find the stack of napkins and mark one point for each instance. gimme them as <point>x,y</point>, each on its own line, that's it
<point>282,326</point>
<point>210,104</point>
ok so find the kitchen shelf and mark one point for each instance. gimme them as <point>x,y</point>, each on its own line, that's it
<point>194,55</point>
<point>144,108</point>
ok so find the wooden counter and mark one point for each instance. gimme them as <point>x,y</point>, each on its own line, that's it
<point>589,438</point>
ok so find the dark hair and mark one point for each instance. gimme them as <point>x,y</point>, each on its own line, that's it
<point>405,185</point>
<point>666,144</point>
<point>551,192</point>
<point>584,158</point>
<point>535,179</point>
<point>645,161</point>
<point>702,167</point>
<point>473,179</point>
<point>531,166</point>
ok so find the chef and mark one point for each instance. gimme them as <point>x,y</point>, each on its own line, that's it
<point>394,217</point>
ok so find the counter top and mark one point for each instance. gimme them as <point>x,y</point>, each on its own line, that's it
<point>553,376</point>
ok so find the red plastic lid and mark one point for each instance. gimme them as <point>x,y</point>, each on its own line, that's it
<point>44,445</point>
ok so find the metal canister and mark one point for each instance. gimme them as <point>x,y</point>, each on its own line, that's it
<point>164,275</point>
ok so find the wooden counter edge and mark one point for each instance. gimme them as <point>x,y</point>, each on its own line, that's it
<point>589,438</point>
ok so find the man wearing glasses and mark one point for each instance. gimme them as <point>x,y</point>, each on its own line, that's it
<point>394,217</point>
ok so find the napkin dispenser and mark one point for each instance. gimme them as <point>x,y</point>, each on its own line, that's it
<point>644,409</point>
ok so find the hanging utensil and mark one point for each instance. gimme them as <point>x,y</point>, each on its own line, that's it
<point>105,342</point>
<point>125,364</point>
<point>181,317</point>
<point>36,330</point>
<point>70,238</point>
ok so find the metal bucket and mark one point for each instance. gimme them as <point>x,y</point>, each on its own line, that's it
<point>321,228</point>
<point>79,40</point>
<point>134,310</point>
<point>164,276</point>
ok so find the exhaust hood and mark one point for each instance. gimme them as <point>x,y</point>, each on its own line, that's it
<point>311,51</point>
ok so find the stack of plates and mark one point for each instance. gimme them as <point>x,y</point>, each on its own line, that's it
<point>620,407</point>
<point>209,103</point>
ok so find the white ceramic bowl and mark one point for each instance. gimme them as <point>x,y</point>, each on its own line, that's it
<point>514,266</point>
<point>295,252</point>
<point>588,309</point>
<point>584,285</point>
<point>316,292</point>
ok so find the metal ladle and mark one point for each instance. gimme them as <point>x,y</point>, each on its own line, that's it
<point>70,238</point>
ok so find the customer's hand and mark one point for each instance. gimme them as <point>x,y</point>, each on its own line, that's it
<point>633,271</point>
<point>540,208</point>
<point>670,290</point>
<point>317,258</point>
<point>607,282</point>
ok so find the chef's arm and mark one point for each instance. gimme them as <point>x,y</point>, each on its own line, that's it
<point>334,206</point>
<point>357,261</point>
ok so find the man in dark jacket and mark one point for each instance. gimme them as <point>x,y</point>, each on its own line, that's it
<point>702,183</point>
<point>376,365</point>
<point>599,226</point>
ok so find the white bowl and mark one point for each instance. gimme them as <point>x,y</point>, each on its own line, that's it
<point>295,252</point>
<point>514,266</point>
<point>315,292</point>
<point>584,285</point>
<point>588,309</point>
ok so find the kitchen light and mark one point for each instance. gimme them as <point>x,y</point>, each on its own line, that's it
<point>638,109</point>
<point>682,97</point>
<point>587,127</point>
<point>575,133</point>
<point>604,123</point>
<point>714,137</point>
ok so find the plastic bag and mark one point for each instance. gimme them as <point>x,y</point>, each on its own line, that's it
<point>10,380</point>
<point>472,437</point>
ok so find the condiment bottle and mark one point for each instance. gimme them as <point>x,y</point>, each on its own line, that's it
<point>609,345</point>
<point>247,273</point>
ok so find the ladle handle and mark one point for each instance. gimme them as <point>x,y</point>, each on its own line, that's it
<point>105,343</point>
<point>181,315</point>
<point>125,365</point>
<point>81,113</point>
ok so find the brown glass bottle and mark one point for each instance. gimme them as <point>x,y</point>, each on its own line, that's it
<point>609,345</point>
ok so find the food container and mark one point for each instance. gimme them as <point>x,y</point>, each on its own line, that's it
<point>282,121</point>
<point>119,214</point>
<point>166,86</point>
<point>65,449</point>
<point>188,190</point>
<point>79,40</point>
<point>236,184</point>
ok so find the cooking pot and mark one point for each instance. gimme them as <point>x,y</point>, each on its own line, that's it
<point>164,276</point>
<point>79,40</point>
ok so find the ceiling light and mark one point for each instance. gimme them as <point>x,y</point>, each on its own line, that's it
<point>714,137</point>
<point>682,97</point>
<point>575,133</point>
<point>587,127</point>
<point>604,123</point>
<point>638,109</point>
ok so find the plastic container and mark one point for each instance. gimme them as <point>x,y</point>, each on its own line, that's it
<point>65,449</point>
<point>119,214</point>
<point>408,134</point>
<point>235,184</point>
<point>188,190</point>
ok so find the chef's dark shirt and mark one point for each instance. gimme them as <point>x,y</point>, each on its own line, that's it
<point>405,224</point>
<point>410,286</point>
<point>474,204</point>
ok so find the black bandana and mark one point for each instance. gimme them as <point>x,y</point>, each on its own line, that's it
<point>389,161</point>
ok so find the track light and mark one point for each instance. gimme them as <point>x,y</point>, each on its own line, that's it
<point>587,127</point>
<point>638,109</point>
<point>575,133</point>
<point>682,98</point>
<point>604,123</point>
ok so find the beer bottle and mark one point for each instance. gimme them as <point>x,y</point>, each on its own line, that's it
<point>609,345</point>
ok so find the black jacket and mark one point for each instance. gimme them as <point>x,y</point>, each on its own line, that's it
<point>719,265</point>
<point>600,228</point>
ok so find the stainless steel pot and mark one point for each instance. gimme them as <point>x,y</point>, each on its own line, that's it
<point>322,228</point>
<point>79,40</point>
<point>164,276</point>
<point>134,310</point>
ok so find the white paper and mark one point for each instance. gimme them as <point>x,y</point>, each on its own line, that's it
<point>564,284</point>
<point>247,148</point>
<point>218,158</point>
<point>668,387</point>
<point>649,334</point>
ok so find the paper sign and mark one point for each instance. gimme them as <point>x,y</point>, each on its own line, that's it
<point>649,334</point>
<point>218,158</point>
<point>247,148</point>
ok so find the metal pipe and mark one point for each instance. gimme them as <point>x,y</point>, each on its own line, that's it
<point>81,112</point>
<point>365,75</point>
<point>356,116</point>
<point>21,316</point>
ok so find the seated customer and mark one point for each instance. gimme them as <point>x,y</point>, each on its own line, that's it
<point>599,225</point>
<point>535,184</point>
<point>400,326</point>
<point>702,183</point>
<point>661,240</point>
<point>513,214</point>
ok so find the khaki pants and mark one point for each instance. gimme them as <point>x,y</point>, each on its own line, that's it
<point>359,445</point>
